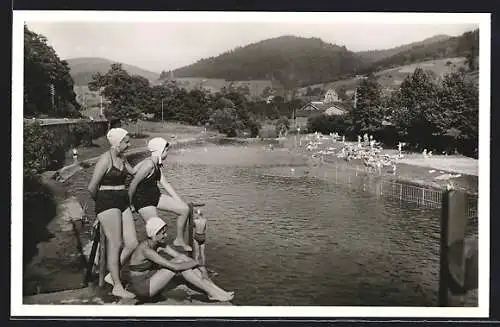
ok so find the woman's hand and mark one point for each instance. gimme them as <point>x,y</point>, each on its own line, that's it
<point>186,265</point>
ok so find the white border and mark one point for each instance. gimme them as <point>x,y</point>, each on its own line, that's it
<point>19,309</point>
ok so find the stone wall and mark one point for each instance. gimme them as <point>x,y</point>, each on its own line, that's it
<point>63,129</point>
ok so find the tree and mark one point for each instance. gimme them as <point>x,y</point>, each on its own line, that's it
<point>368,115</point>
<point>282,126</point>
<point>226,121</point>
<point>417,106</point>
<point>456,120</point>
<point>128,95</point>
<point>342,93</point>
<point>48,85</point>
<point>268,91</point>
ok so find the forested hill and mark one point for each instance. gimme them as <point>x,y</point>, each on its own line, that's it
<point>297,61</point>
<point>372,56</point>
<point>293,61</point>
<point>82,69</point>
<point>465,45</point>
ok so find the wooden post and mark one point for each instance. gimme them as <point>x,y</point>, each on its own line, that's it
<point>452,247</point>
<point>102,256</point>
<point>93,252</point>
<point>188,232</point>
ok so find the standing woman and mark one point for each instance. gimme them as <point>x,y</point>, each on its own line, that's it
<point>145,195</point>
<point>107,188</point>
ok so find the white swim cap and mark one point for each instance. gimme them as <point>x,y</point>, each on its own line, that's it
<point>156,146</point>
<point>153,226</point>
<point>115,135</point>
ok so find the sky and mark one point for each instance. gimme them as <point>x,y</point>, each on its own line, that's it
<point>158,46</point>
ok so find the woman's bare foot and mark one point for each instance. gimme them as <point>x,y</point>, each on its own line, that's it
<point>121,292</point>
<point>228,296</point>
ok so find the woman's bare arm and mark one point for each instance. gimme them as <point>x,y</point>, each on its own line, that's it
<point>131,170</point>
<point>152,255</point>
<point>99,170</point>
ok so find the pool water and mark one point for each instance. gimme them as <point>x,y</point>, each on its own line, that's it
<point>278,235</point>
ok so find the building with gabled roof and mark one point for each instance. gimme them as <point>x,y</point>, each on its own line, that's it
<point>334,108</point>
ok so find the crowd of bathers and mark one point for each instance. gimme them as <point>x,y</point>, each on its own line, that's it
<point>153,262</point>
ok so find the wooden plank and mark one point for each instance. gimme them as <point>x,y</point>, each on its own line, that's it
<point>102,256</point>
<point>93,253</point>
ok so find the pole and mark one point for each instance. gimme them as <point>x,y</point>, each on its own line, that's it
<point>188,231</point>
<point>101,107</point>
<point>162,111</point>
<point>102,256</point>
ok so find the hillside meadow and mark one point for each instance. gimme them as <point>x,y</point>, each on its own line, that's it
<point>391,78</point>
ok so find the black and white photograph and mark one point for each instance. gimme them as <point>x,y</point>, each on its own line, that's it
<point>250,164</point>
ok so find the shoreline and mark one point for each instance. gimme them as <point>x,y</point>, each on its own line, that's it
<point>412,169</point>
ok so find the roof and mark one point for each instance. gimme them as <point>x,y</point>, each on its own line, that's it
<point>320,106</point>
<point>334,111</point>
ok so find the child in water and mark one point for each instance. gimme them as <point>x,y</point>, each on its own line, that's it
<point>199,238</point>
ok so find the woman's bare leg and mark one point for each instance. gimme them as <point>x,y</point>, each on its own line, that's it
<point>214,292</point>
<point>159,280</point>
<point>129,235</point>
<point>112,226</point>
<point>129,239</point>
<point>168,203</point>
<point>147,212</point>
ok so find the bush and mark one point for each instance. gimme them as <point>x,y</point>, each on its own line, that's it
<point>282,125</point>
<point>42,149</point>
<point>39,208</point>
<point>82,134</point>
<point>254,127</point>
<point>327,124</point>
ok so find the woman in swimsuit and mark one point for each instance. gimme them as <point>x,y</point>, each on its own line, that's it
<point>153,266</point>
<point>145,195</point>
<point>107,188</point>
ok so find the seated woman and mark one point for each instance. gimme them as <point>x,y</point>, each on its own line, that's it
<point>152,266</point>
<point>144,191</point>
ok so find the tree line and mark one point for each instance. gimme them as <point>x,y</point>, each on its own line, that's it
<point>230,111</point>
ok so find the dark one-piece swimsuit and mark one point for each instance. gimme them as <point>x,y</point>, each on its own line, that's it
<point>109,199</point>
<point>148,193</point>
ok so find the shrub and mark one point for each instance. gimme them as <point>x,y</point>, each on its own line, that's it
<point>39,208</point>
<point>282,125</point>
<point>82,134</point>
<point>327,124</point>
<point>254,127</point>
<point>42,149</point>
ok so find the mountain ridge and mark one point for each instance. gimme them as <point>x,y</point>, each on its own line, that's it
<point>292,61</point>
<point>82,69</point>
